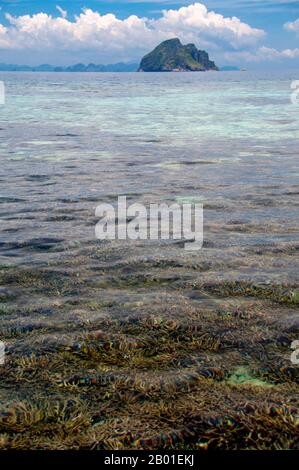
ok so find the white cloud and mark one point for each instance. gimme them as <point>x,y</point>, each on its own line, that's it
<point>262,54</point>
<point>61,11</point>
<point>107,34</point>
<point>292,26</point>
<point>108,37</point>
<point>272,54</point>
<point>4,42</point>
<point>196,21</point>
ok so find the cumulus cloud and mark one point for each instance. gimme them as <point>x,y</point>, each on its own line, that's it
<point>272,54</point>
<point>262,54</point>
<point>93,31</point>
<point>292,26</point>
<point>196,21</point>
<point>4,42</point>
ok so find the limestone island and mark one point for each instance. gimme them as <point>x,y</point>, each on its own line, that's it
<point>172,56</point>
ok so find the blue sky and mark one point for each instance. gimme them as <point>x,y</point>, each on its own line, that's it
<point>264,33</point>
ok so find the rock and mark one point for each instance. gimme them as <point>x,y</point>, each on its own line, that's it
<point>172,56</point>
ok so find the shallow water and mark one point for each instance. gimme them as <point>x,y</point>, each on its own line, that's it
<point>71,141</point>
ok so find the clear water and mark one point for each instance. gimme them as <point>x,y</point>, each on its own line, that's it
<point>71,141</point>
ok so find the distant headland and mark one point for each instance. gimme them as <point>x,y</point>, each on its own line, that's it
<point>169,56</point>
<point>119,67</point>
<point>172,56</point>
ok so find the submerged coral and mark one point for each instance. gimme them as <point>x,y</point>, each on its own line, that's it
<point>99,363</point>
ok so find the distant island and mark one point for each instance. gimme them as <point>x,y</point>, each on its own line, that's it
<point>169,56</point>
<point>119,67</point>
<point>172,56</point>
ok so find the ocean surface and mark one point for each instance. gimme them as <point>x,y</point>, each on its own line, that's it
<point>71,141</point>
<point>227,313</point>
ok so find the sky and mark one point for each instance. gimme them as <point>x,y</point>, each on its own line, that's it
<point>247,33</point>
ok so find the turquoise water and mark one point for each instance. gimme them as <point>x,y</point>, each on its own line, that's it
<point>178,109</point>
<point>71,141</point>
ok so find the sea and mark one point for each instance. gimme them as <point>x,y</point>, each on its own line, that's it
<point>184,335</point>
<point>71,141</point>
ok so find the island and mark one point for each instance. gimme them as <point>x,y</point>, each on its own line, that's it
<point>172,56</point>
<point>119,67</point>
<point>230,68</point>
